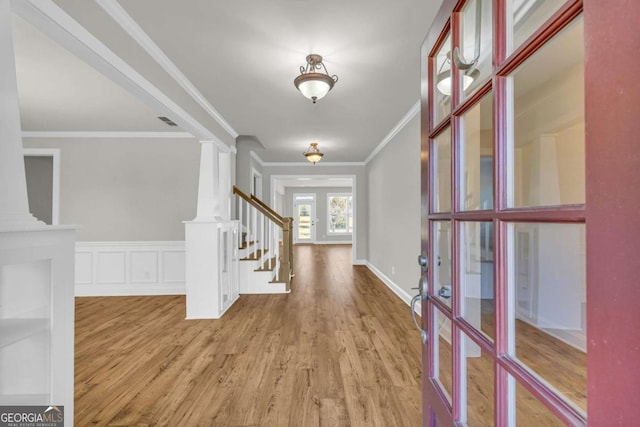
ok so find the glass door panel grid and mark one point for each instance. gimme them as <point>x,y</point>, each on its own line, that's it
<point>510,374</point>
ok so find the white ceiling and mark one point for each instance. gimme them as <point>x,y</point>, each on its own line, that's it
<point>242,56</point>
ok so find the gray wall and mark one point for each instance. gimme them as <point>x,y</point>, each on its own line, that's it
<point>394,208</point>
<point>245,162</point>
<point>126,190</point>
<point>321,210</point>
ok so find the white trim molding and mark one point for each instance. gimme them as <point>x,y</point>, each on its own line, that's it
<point>396,129</point>
<point>130,268</point>
<point>107,134</point>
<point>117,12</point>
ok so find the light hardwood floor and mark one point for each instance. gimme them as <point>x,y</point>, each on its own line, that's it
<point>340,350</point>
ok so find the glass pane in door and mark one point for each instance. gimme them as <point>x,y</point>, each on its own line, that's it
<point>547,281</point>
<point>476,146</point>
<point>529,411</point>
<point>303,215</point>
<point>475,54</point>
<point>442,80</point>
<point>443,351</point>
<point>478,373</point>
<point>526,16</point>
<point>442,270</point>
<point>442,171</point>
<point>476,276</point>
<point>547,148</point>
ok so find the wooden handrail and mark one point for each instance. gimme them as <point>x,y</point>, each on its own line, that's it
<point>267,207</point>
<point>260,206</point>
<point>285,272</point>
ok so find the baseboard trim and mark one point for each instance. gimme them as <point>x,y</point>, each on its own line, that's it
<point>401,293</point>
<point>360,262</point>
<point>130,289</point>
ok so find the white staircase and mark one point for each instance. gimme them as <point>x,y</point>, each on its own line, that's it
<point>265,263</point>
<point>257,272</point>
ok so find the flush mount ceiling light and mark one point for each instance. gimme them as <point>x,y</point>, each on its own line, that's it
<point>313,153</point>
<point>312,82</point>
<point>443,80</point>
<point>470,72</point>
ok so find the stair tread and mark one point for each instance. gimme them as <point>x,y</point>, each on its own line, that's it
<point>265,266</point>
<point>257,255</point>
<point>247,244</point>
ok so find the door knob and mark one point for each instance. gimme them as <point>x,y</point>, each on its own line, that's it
<point>423,260</point>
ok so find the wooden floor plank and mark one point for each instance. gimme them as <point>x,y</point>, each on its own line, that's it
<point>340,350</point>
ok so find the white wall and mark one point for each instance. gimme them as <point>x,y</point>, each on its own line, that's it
<point>126,190</point>
<point>394,208</point>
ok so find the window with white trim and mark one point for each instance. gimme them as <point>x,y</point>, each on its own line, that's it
<point>339,213</point>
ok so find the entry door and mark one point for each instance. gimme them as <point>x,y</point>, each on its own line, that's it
<point>504,235</point>
<point>304,208</point>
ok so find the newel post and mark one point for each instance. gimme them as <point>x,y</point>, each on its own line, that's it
<point>14,205</point>
<point>210,287</point>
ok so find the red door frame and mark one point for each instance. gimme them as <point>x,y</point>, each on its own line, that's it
<point>612,95</point>
<point>613,210</point>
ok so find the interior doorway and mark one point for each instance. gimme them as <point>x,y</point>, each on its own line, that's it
<point>42,171</point>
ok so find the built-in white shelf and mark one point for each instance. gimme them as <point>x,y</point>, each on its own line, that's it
<point>15,330</point>
<point>36,317</point>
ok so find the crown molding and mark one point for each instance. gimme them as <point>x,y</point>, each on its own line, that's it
<point>107,134</point>
<point>256,157</point>
<point>396,129</point>
<point>122,18</point>
<point>59,26</point>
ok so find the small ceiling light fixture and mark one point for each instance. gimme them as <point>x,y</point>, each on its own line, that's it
<point>470,72</point>
<point>312,84</point>
<point>313,154</point>
<point>443,80</point>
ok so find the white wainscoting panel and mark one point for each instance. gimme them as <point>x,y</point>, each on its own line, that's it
<point>130,268</point>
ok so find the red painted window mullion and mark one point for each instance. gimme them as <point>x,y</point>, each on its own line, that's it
<point>501,385</point>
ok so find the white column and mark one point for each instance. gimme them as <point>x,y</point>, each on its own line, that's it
<point>209,183</point>
<point>14,205</point>
<point>224,173</point>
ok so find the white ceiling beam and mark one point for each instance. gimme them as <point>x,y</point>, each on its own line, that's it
<point>59,26</point>
<point>122,18</point>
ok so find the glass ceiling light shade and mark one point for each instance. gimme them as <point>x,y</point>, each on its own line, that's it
<point>313,153</point>
<point>443,81</point>
<point>312,82</point>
